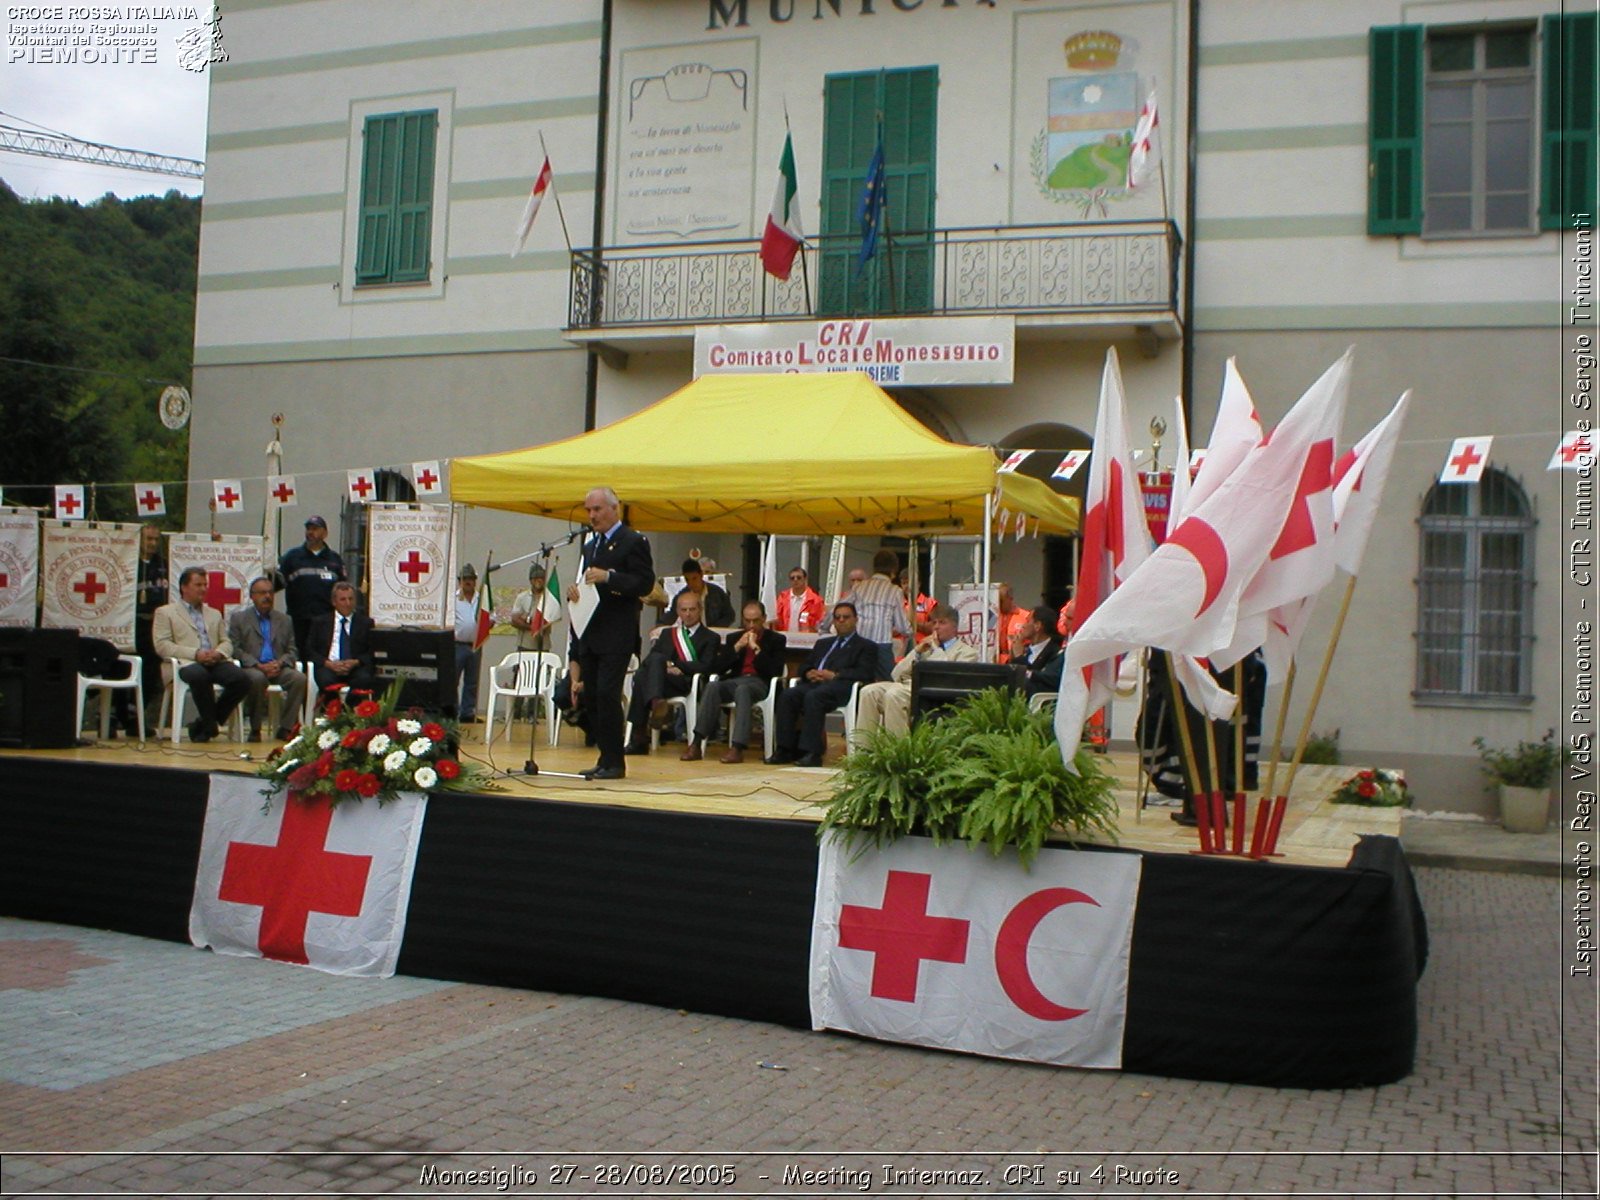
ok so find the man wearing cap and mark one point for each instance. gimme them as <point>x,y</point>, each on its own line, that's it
<point>469,659</point>
<point>534,612</point>
<point>309,573</point>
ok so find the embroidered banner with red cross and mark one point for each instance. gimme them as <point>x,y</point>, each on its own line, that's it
<point>941,946</point>
<point>90,573</point>
<point>19,567</point>
<point>230,563</point>
<point>302,882</point>
<point>413,568</point>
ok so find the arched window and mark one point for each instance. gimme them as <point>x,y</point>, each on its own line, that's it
<point>1475,592</point>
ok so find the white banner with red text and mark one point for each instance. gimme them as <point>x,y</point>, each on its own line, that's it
<point>906,351</point>
<point>19,567</point>
<point>230,562</point>
<point>91,573</point>
<point>413,569</point>
<point>953,948</point>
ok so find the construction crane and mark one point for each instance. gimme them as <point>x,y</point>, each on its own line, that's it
<point>50,145</point>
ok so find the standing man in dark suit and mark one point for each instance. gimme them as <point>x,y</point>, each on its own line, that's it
<point>682,651</point>
<point>836,665</point>
<point>263,642</point>
<point>616,561</point>
<point>340,645</point>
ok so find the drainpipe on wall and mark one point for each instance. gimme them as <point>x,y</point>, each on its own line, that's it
<point>591,378</point>
<point>1192,149</point>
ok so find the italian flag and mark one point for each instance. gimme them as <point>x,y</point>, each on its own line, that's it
<point>781,241</point>
<point>485,600</point>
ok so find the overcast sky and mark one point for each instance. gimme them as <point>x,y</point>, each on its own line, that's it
<point>136,103</point>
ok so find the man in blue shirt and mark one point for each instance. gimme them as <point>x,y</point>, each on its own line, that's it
<point>263,641</point>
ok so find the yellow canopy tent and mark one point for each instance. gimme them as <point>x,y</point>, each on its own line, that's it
<point>781,454</point>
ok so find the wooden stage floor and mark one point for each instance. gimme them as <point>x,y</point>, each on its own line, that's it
<point>1315,832</point>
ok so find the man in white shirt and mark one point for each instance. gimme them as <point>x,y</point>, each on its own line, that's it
<point>469,660</point>
<point>889,704</point>
<point>535,611</point>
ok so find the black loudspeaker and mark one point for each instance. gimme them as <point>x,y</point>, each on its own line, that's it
<point>38,688</point>
<point>936,685</point>
<point>425,659</point>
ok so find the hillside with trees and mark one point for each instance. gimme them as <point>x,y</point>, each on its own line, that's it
<point>96,319</point>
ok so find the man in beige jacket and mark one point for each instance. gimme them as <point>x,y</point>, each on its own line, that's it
<point>192,633</point>
<point>889,704</point>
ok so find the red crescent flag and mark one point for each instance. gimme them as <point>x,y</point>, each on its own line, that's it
<point>541,185</point>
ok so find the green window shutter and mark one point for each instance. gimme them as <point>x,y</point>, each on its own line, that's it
<point>414,197</point>
<point>1394,130</point>
<point>1570,118</point>
<point>380,145</point>
<point>396,232</point>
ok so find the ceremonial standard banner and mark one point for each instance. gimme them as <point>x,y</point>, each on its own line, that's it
<point>90,573</point>
<point>412,565</point>
<point>19,567</point>
<point>327,887</point>
<point>230,564</point>
<point>953,948</point>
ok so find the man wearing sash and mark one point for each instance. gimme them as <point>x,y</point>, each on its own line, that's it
<point>682,651</point>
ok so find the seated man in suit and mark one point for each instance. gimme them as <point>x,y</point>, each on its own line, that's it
<point>682,651</point>
<point>889,704</point>
<point>340,645</point>
<point>263,638</point>
<point>187,630</point>
<point>1035,648</point>
<point>748,663</point>
<point>836,665</point>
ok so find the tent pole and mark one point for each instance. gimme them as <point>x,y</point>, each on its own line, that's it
<point>988,529</point>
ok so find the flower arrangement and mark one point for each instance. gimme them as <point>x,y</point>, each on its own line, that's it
<point>366,751</point>
<point>1375,789</point>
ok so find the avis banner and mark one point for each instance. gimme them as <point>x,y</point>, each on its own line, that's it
<point>91,573</point>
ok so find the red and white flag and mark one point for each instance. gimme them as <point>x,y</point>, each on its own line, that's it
<point>1070,463</point>
<point>1235,432</point>
<point>530,210</point>
<point>428,478</point>
<point>19,567</point>
<point>150,499</point>
<point>1575,453</point>
<point>1466,460</point>
<point>781,239</point>
<point>362,488</point>
<point>1359,478</point>
<point>1144,152</point>
<point>69,502</point>
<point>937,946</point>
<point>1014,460</point>
<point>302,882</point>
<point>281,492</point>
<point>228,495</point>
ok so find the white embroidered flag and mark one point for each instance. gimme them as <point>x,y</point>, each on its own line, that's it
<point>230,563</point>
<point>91,573</point>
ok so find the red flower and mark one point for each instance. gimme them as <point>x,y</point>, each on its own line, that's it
<point>368,785</point>
<point>302,777</point>
<point>346,779</point>
<point>1366,789</point>
<point>351,739</point>
<point>448,768</point>
<point>367,708</point>
<point>363,736</point>
<point>1369,776</point>
<point>434,733</point>
<point>392,728</point>
<point>332,709</point>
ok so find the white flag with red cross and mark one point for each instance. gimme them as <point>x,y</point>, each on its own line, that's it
<point>228,495</point>
<point>1013,460</point>
<point>1575,453</point>
<point>281,492</point>
<point>19,567</point>
<point>940,946</point>
<point>301,882</point>
<point>1466,460</point>
<point>69,502</point>
<point>150,500</point>
<point>363,488</point>
<point>1235,432</point>
<point>428,478</point>
<point>1069,464</point>
<point>1360,476</point>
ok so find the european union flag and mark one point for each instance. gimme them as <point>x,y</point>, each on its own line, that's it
<point>870,211</point>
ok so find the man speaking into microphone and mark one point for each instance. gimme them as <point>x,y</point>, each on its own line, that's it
<point>616,562</point>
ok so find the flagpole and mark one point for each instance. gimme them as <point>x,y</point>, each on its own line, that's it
<point>1277,732</point>
<point>557,193</point>
<point>1322,678</point>
<point>805,270</point>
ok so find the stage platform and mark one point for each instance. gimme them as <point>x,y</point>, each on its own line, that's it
<point>691,885</point>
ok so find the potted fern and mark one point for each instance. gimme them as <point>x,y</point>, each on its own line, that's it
<point>1524,775</point>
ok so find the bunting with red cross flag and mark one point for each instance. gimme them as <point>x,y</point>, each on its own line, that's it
<point>363,489</point>
<point>1575,453</point>
<point>938,946</point>
<point>428,478</point>
<point>1466,460</point>
<point>303,882</point>
<point>149,500</point>
<point>69,502</point>
<point>281,492</point>
<point>228,495</point>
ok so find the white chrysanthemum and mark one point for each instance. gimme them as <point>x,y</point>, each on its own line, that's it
<point>327,740</point>
<point>379,746</point>
<point>419,747</point>
<point>395,761</point>
<point>425,778</point>
<point>408,726</point>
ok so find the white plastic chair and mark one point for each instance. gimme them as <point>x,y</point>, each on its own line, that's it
<point>690,705</point>
<point>767,707</point>
<point>1039,701</point>
<point>134,683</point>
<point>529,674</point>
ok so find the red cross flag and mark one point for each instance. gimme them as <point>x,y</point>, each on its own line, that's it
<point>281,492</point>
<point>1466,460</point>
<point>149,500</point>
<point>229,495</point>
<point>69,502</point>
<point>937,946</point>
<point>1144,148</point>
<point>302,882</point>
<point>1575,453</point>
<point>428,478</point>
<point>1014,460</point>
<point>1068,467</point>
<point>362,488</point>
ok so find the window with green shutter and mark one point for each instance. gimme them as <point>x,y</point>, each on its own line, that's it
<point>396,197</point>
<point>899,277</point>
<point>1570,119</point>
<point>1394,162</point>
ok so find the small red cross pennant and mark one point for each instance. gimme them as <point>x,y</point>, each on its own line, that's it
<point>280,491</point>
<point>1014,460</point>
<point>362,488</point>
<point>1575,453</point>
<point>428,478</point>
<point>149,499</point>
<point>229,494</point>
<point>1465,462</point>
<point>1196,457</point>
<point>1068,467</point>
<point>69,502</point>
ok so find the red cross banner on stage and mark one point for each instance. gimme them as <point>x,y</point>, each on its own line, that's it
<point>362,488</point>
<point>91,574</point>
<point>149,500</point>
<point>1466,460</point>
<point>944,947</point>
<point>1575,453</point>
<point>1069,464</point>
<point>230,563</point>
<point>427,478</point>
<point>303,882</point>
<point>69,502</point>
<point>228,495</point>
<point>413,568</point>
<point>281,492</point>
<point>19,567</point>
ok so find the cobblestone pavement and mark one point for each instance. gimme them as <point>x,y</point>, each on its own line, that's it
<point>132,1066</point>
